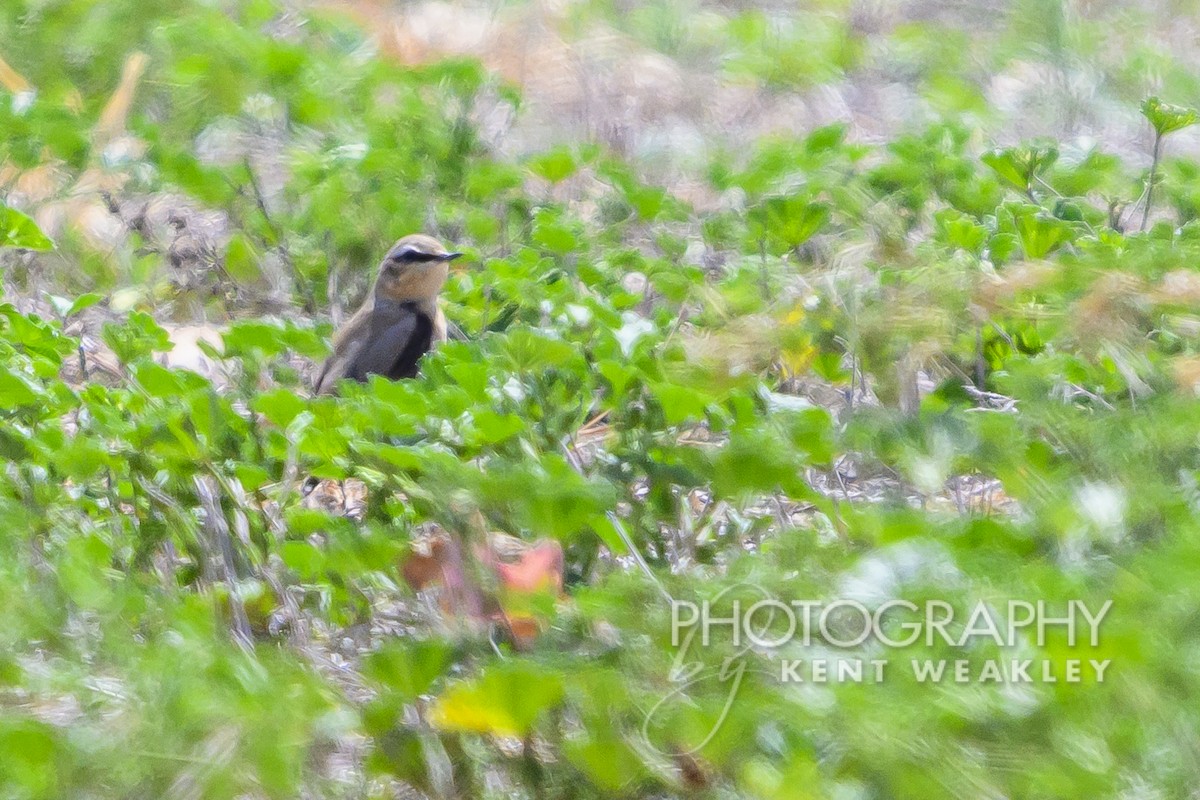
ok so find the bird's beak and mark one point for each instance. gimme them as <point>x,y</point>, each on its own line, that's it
<point>450,256</point>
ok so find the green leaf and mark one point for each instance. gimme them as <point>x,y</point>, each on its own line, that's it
<point>1041,234</point>
<point>304,559</point>
<point>1166,118</point>
<point>792,220</point>
<point>400,750</point>
<point>811,433</point>
<point>547,496</point>
<point>680,403</point>
<point>409,668</point>
<point>31,753</point>
<point>960,231</point>
<point>527,350</point>
<point>1021,165</point>
<point>606,758</point>
<point>618,374</point>
<point>249,338</point>
<point>81,458</point>
<point>491,427</point>
<point>555,166</point>
<point>16,390</point>
<point>646,200</point>
<point>552,233</point>
<point>83,571</point>
<point>158,381</point>
<point>754,462</point>
<point>1000,247</point>
<point>137,338</point>
<point>19,230</point>
<point>1006,164</point>
<point>242,259</point>
<point>82,302</point>
<point>280,406</point>
<point>606,529</point>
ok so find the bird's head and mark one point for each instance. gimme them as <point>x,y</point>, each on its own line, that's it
<point>414,269</point>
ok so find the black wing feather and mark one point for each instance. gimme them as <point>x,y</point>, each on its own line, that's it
<point>400,335</point>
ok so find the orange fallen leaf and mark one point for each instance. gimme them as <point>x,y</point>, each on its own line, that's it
<point>537,570</point>
<point>521,572</point>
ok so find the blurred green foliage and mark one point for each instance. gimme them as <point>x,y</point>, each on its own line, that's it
<point>174,611</point>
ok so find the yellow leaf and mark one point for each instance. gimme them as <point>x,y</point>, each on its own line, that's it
<point>795,316</point>
<point>465,708</point>
<point>506,700</point>
<point>798,360</point>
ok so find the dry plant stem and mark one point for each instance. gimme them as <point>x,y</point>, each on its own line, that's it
<point>1153,177</point>
<point>217,528</point>
<point>336,314</point>
<point>12,80</point>
<point>619,527</point>
<point>260,200</point>
<point>594,422</point>
<point>842,529</point>
<point>115,115</point>
<point>243,509</point>
<point>291,474</point>
<point>168,547</point>
<point>980,363</point>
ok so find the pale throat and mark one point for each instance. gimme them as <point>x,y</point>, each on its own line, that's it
<point>419,287</point>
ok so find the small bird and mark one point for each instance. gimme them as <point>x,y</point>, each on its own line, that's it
<point>399,322</point>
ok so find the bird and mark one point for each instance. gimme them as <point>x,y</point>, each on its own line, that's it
<point>399,322</point>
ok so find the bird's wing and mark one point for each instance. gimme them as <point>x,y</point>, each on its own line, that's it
<point>400,334</point>
<point>335,367</point>
<point>346,344</point>
<point>320,386</point>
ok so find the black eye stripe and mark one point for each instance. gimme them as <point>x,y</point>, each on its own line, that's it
<point>411,256</point>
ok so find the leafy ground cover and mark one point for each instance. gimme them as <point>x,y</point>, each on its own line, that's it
<point>921,368</point>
